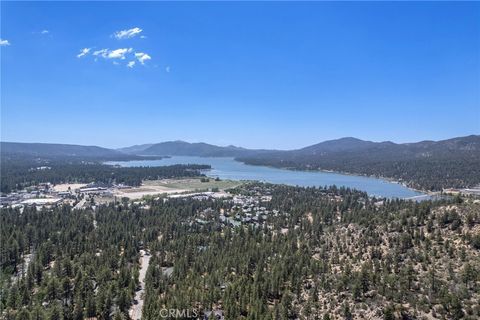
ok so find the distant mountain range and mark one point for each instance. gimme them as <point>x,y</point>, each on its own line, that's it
<point>46,150</point>
<point>428,165</point>
<point>355,148</point>
<point>340,148</point>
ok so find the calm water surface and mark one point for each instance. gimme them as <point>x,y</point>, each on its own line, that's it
<point>227,168</point>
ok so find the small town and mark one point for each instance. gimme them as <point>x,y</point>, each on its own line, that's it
<point>48,195</point>
<point>77,195</point>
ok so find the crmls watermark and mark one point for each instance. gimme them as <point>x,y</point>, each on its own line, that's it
<point>179,313</point>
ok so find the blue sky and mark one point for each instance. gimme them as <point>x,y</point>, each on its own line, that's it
<point>271,75</point>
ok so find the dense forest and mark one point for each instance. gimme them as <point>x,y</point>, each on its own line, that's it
<point>421,174</point>
<point>18,173</point>
<point>321,254</point>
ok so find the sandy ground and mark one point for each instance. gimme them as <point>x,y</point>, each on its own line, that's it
<point>64,186</point>
<point>136,309</point>
<point>140,192</point>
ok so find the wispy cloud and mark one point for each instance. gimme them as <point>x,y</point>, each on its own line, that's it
<point>4,42</point>
<point>43,32</point>
<point>102,53</point>
<point>116,55</point>
<point>142,57</point>
<point>83,52</point>
<point>126,34</point>
<point>113,54</point>
<point>119,53</point>
<point>167,69</point>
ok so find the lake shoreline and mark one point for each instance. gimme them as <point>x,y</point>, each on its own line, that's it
<point>230,168</point>
<point>386,179</point>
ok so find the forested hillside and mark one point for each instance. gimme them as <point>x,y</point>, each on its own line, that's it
<point>319,254</point>
<point>55,150</point>
<point>427,165</point>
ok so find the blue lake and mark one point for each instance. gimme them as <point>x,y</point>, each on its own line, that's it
<point>227,168</point>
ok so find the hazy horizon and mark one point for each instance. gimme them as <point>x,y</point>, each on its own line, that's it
<point>255,75</point>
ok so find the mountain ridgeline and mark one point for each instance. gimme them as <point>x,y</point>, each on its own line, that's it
<point>426,165</point>
<point>138,148</point>
<point>49,151</point>
<point>182,148</point>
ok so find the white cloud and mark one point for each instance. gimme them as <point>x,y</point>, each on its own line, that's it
<point>142,57</point>
<point>126,34</point>
<point>44,32</point>
<point>119,53</point>
<point>103,53</point>
<point>167,69</point>
<point>83,52</point>
<point>113,54</point>
<point>4,42</point>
